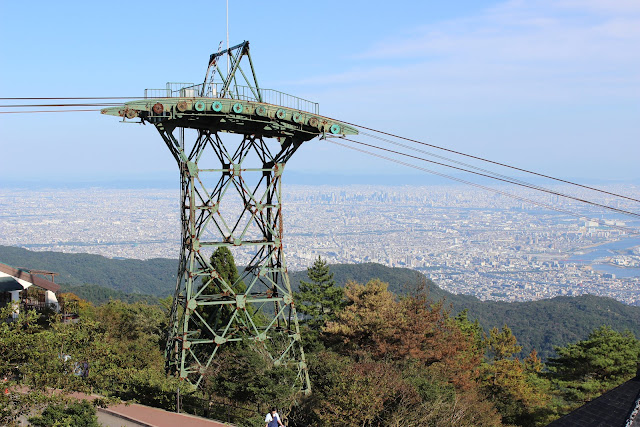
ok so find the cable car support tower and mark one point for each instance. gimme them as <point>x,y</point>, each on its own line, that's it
<point>231,143</point>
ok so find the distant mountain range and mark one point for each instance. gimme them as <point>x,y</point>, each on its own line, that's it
<point>539,324</point>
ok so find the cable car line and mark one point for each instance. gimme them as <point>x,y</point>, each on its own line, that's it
<point>83,97</point>
<point>43,111</point>
<point>494,162</point>
<point>483,172</point>
<point>632,232</point>
<point>622,211</point>
<point>487,171</point>
<point>113,104</point>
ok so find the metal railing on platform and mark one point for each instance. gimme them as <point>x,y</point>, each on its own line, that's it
<point>243,93</point>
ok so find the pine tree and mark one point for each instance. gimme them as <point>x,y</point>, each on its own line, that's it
<point>320,299</point>
<point>589,368</point>
<point>225,265</point>
<point>514,386</point>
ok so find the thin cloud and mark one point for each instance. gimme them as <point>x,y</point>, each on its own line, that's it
<point>516,51</point>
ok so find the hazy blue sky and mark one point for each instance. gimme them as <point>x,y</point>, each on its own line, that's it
<point>550,85</point>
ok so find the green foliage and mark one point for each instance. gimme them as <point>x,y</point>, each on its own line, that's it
<point>539,325</point>
<point>516,388</point>
<point>380,359</point>
<point>543,325</point>
<point>502,344</point>
<point>152,277</point>
<point>590,367</point>
<point>14,404</point>
<point>218,316</point>
<point>320,299</point>
<point>99,295</point>
<point>224,263</point>
<point>81,414</point>
<point>245,374</point>
<point>122,344</point>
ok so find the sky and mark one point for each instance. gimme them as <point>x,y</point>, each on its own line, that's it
<point>547,85</point>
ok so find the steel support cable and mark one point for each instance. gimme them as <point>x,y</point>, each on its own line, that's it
<point>501,177</point>
<point>515,180</point>
<point>43,111</point>
<point>493,162</point>
<point>82,97</point>
<point>113,104</point>
<point>622,211</point>
<point>631,231</point>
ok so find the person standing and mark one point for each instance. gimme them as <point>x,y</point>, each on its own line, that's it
<point>273,419</point>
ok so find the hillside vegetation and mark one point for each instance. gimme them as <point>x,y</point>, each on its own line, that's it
<point>153,277</point>
<point>539,325</point>
<point>375,359</point>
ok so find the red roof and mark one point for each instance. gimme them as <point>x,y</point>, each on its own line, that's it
<point>26,276</point>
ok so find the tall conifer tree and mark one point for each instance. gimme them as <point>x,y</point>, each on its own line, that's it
<point>319,299</point>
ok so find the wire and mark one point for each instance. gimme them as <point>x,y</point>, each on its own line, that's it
<point>112,104</point>
<point>42,111</point>
<point>484,172</point>
<point>487,171</point>
<point>622,211</point>
<point>493,162</point>
<point>463,181</point>
<point>95,97</point>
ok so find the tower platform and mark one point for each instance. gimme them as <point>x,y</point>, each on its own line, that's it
<point>239,112</point>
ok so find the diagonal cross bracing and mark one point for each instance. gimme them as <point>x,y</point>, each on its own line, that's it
<point>231,198</point>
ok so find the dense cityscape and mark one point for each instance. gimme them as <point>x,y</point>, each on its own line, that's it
<point>466,240</point>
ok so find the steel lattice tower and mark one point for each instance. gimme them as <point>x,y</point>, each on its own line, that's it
<point>231,198</point>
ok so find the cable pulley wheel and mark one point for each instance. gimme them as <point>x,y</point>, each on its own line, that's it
<point>237,108</point>
<point>200,106</point>
<point>182,106</point>
<point>281,114</point>
<point>216,106</point>
<point>158,108</point>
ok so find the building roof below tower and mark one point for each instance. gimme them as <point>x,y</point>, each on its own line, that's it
<point>38,281</point>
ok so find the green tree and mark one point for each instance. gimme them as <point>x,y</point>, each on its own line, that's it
<point>245,374</point>
<point>79,414</point>
<point>588,368</point>
<point>502,344</point>
<point>217,316</point>
<point>320,299</point>
<point>40,355</point>
<point>514,386</point>
<point>224,263</point>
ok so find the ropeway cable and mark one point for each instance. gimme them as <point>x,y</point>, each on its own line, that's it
<point>43,111</point>
<point>621,211</point>
<point>492,161</point>
<point>630,231</point>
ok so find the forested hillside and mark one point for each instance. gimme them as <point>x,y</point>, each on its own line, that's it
<point>154,277</point>
<point>375,358</point>
<point>537,324</point>
<point>99,295</point>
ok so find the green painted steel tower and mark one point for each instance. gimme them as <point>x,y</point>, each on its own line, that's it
<point>231,142</point>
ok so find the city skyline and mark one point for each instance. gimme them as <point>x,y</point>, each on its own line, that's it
<point>467,241</point>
